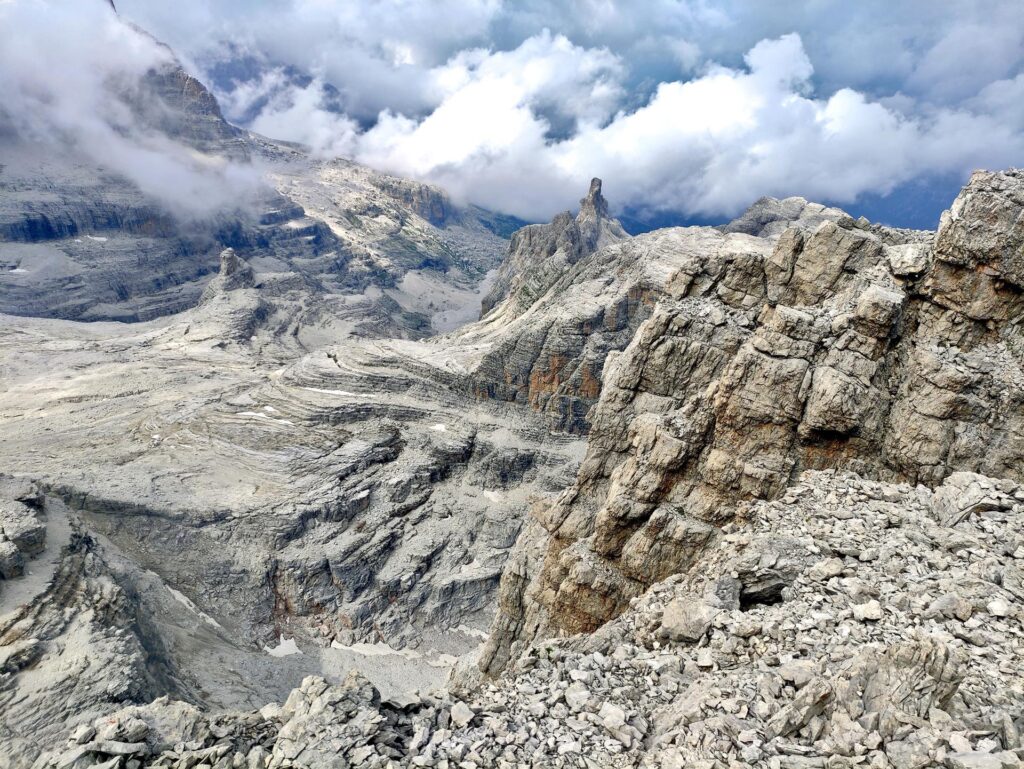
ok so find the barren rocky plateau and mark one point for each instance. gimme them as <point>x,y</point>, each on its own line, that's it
<point>360,477</point>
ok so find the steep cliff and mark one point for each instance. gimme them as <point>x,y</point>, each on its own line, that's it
<point>835,348</point>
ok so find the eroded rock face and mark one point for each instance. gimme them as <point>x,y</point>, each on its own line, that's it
<point>72,651</point>
<point>819,354</point>
<point>22,532</point>
<point>567,294</point>
<point>540,253</point>
<point>777,661</point>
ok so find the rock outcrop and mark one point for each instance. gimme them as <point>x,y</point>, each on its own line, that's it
<point>22,533</point>
<point>540,254</point>
<point>847,623</point>
<point>836,349</point>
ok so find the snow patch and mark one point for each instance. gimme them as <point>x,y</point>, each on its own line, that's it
<point>377,650</point>
<point>439,428</point>
<point>187,603</point>
<point>285,648</point>
<point>345,393</point>
<point>443,661</point>
<point>494,496</point>
<point>259,415</point>
<point>472,632</point>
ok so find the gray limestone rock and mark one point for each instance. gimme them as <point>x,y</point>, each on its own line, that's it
<point>686,621</point>
<point>727,395</point>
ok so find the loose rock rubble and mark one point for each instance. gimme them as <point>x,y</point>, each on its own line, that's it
<point>849,623</point>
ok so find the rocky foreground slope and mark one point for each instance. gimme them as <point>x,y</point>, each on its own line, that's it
<point>850,623</point>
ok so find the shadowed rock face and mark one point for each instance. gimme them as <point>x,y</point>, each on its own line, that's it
<point>835,349</point>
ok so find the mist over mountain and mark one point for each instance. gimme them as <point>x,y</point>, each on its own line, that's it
<point>684,107</point>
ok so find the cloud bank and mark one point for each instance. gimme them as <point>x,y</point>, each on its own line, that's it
<point>691,107</point>
<point>521,131</point>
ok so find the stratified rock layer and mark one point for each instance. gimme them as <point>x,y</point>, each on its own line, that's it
<point>843,347</point>
<point>850,623</point>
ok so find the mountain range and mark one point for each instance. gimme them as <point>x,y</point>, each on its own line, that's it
<point>345,473</point>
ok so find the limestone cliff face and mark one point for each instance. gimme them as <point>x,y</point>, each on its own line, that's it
<point>837,348</point>
<point>573,291</point>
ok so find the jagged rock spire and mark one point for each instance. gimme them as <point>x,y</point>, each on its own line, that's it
<point>594,203</point>
<point>229,262</point>
<point>596,228</point>
<point>234,273</point>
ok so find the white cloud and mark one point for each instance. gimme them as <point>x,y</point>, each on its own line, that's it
<point>88,98</point>
<point>376,53</point>
<point>704,146</point>
<point>692,106</point>
<point>301,114</point>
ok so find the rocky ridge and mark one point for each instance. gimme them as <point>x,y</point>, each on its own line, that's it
<point>835,349</point>
<point>22,534</point>
<point>572,299</point>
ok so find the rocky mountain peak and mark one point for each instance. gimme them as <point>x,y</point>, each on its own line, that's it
<point>595,227</point>
<point>235,273</point>
<point>594,204</point>
<point>539,254</point>
<point>229,262</point>
<point>842,348</point>
<point>769,217</point>
<point>749,495</point>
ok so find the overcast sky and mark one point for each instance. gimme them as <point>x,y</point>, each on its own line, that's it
<point>687,108</point>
